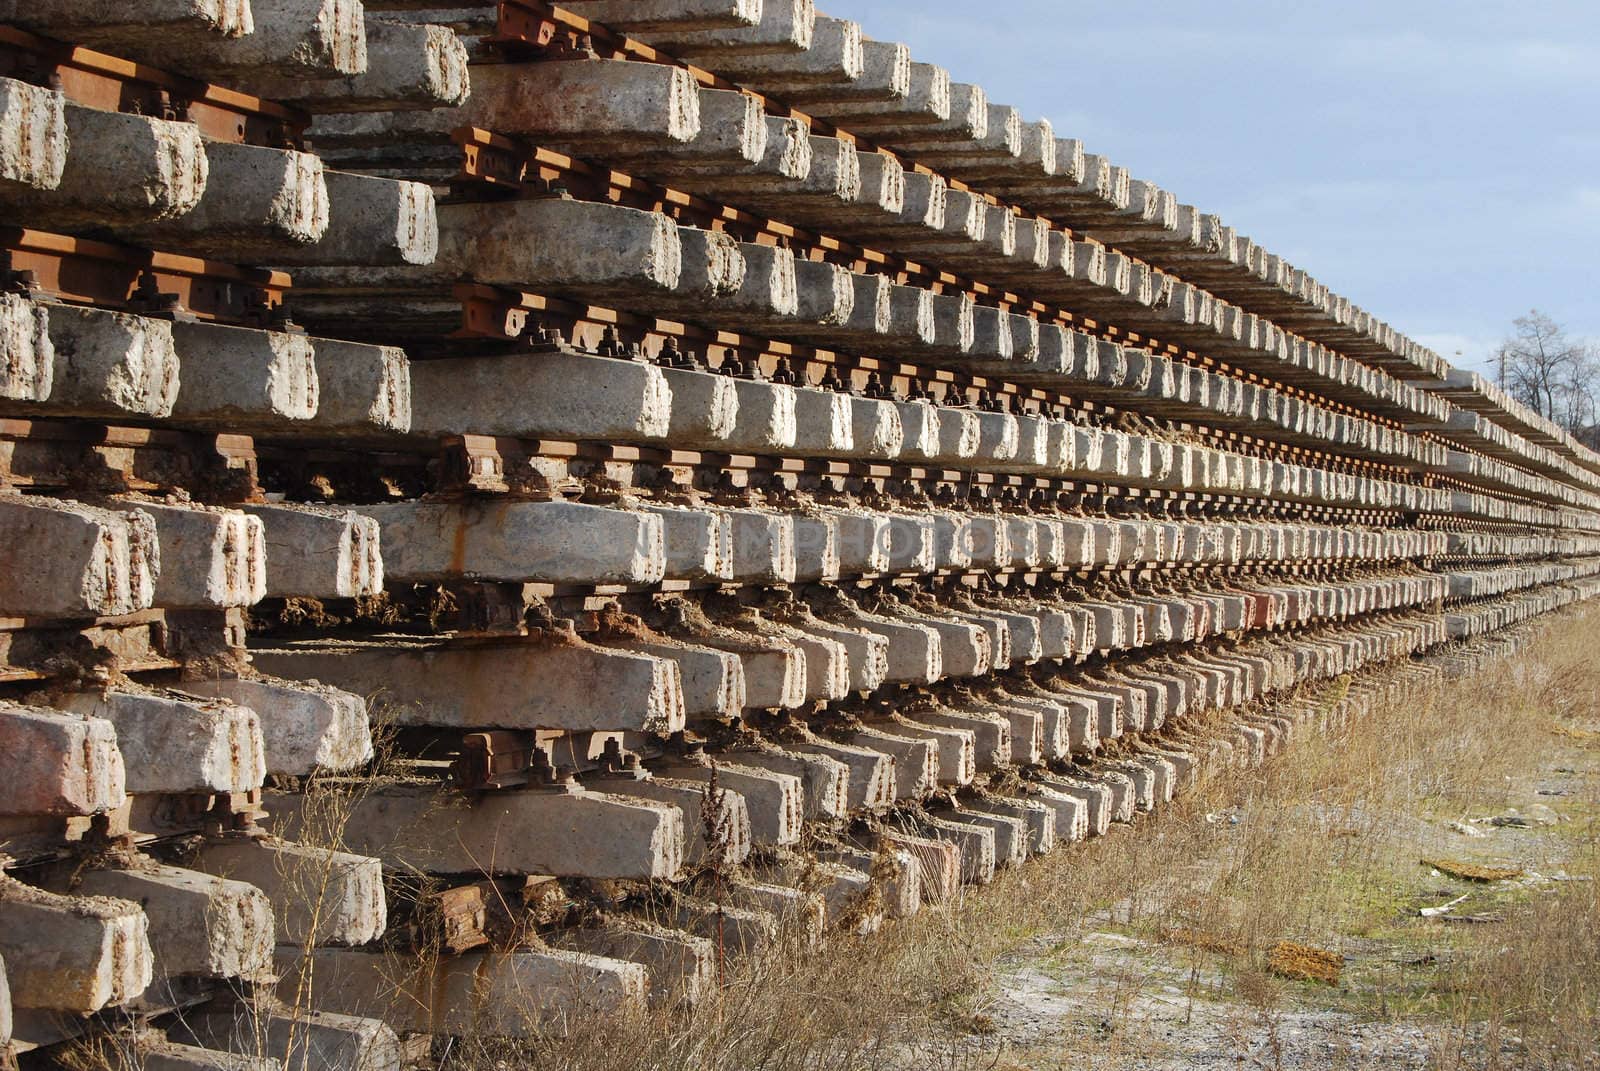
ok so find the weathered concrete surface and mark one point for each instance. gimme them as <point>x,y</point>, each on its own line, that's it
<point>956,759</point>
<point>408,66</point>
<point>713,266</point>
<point>577,833</point>
<point>650,16</point>
<point>783,26</point>
<point>33,137</point>
<point>200,925</point>
<point>914,654</point>
<point>256,201</point>
<point>289,1037</point>
<point>705,406</point>
<point>363,390</point>
<point>798,913</point>
<point>824,781</point>
<point>823,424</point>
<point>763,546</point>
<point>72,954</point>
<point>733,134</point>
<point>60,764</point>
<point>242,378</point>
<point>713,681</point>
<point>140,21</point>
<point>213,558</point>
<point>774,801</point>
<point>816,547</point>
<point>965,649</point>
<point>318,896</point>
<point>742,930</point>
<point>975,842</point>
<point>774,669</point>
<point>844,891</point>
<point>1071,812</point>
<point>1010,834</point>
<point>916,760</point>
<point>716,825</point>
<point>697,543</point>
<point>827,663</point>
<point>558,244</point>
<point>323,552</point>
<point>482,994</point>
<point>305,726</point>
<point>559,396</point>
<point>140,170</point>
<point>835,56</point>
<point>1038,819</point>
<point>175,743</point>
<point>885,76</point>
<point>517,685</point>
<point>867,652</point>
<point>557,542</point>
<point>605,105</point>
<point>102,562</point>
<point>936,863</point>
<point>156,1053</point>
<point>682,966</point>
<point>765,421</point>
<point>862,541</point>
<point>371,221</point>
<point>926,98</point>
<point>991,733</point>
<point>902,891</point>
<point>785,163</point>
<point>871,781</point>
<point>109,364</point>
<point>27,354</point>
<point>290,38</point>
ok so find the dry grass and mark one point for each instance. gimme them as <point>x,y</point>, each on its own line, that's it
<point>1320,848</point>
<point>1287,959</point>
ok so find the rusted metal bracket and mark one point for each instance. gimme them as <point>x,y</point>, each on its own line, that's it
<point>500,759</point>
<point>85,271</point>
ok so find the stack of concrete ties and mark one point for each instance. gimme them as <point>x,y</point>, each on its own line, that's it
<point>130,763</point>
<point>651,621</point>
<point>952,127</point>
<point>111,761</point>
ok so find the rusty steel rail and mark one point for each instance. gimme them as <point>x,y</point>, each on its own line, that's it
<point>86,271</point>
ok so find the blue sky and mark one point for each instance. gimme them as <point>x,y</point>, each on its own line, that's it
<point>1436,162</point>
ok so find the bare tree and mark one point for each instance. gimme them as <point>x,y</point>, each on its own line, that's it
<point>1551,372</point>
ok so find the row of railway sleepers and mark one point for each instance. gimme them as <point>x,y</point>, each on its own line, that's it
<point>825,66</point>
<point>900,85</point>
<point>648,101</point>
<point>1152,537</point>
<point>1009,159</point>
<point>1065,271</point>
<point>407,667</point>
<point>935,823</point>
<point>138,888</point>
<point>1135,461</point>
